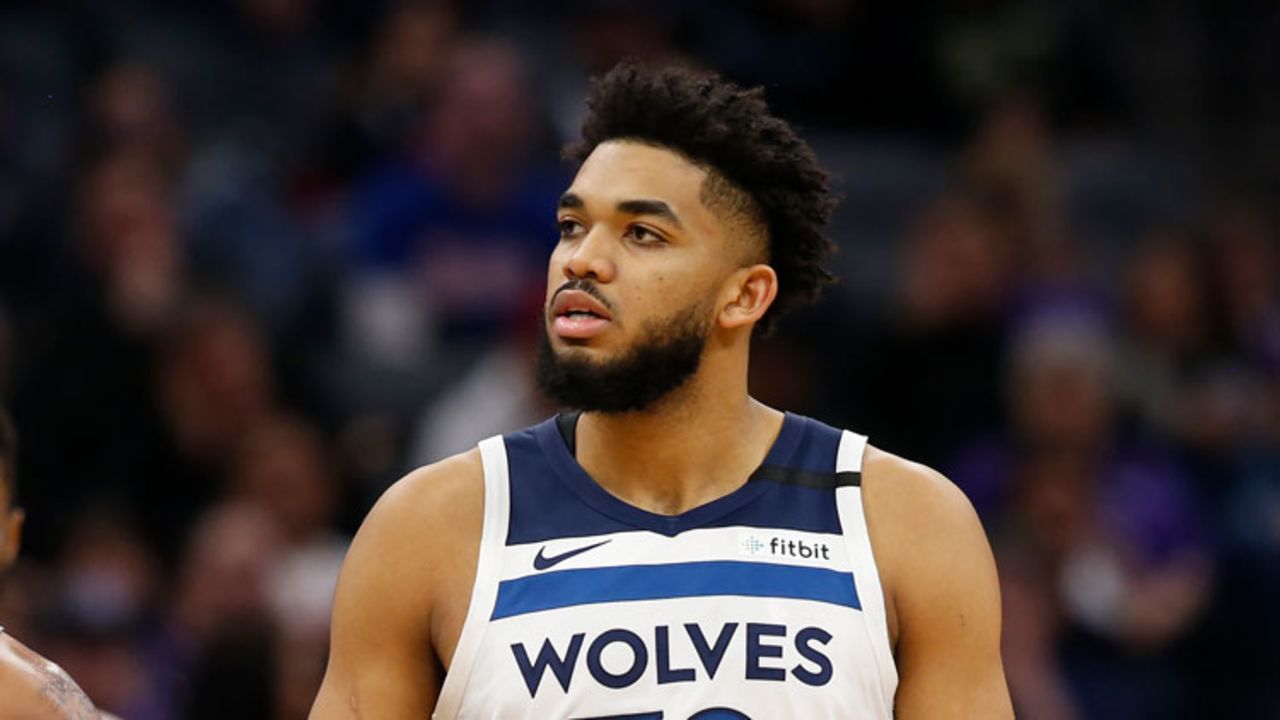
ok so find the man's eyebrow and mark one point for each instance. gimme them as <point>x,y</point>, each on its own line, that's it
<point>658,208</point>
<point>650,207</point>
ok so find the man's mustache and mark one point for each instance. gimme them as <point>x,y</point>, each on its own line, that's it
<point>585,286</point>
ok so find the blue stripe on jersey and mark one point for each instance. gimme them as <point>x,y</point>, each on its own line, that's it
<point>589,586</point>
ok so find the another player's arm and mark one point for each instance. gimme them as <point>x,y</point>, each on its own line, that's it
<point>943,595</point>
<point>32,688</point>
<point>392,605</point>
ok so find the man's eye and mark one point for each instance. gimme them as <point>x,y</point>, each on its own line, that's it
<point>568,228</point>
<point>642,234</point>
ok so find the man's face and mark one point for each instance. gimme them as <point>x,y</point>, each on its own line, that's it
<point>633,286</point>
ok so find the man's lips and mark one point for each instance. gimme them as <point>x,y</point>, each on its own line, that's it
<point>576,301</point>
<point>577,315</point>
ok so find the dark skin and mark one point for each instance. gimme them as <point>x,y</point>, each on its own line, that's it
<point>32,688</point>
<point>636,223</point>
<point>35,689</point>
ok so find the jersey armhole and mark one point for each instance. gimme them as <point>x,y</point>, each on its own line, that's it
<point>866,574</point>
<point>484,592</point>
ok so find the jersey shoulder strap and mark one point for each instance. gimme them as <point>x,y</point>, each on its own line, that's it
<point>484,591</point>
<point>853,522</point>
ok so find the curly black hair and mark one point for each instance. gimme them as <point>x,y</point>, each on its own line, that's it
<point>757,164</point>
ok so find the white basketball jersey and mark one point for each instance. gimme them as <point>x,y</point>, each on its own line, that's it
<point>765,603</point>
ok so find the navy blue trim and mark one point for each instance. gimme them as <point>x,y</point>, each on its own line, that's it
<point>817,449</point>
<point>599,499</point>
<point>627,583</point>
<point>787,507</point>
<point>542,506</point>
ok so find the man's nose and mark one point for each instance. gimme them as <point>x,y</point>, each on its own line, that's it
<point>592,258</point>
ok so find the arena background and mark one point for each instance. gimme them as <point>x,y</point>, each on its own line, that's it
<point>260,257</point>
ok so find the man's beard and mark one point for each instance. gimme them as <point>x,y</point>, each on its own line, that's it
<point>664,358</point>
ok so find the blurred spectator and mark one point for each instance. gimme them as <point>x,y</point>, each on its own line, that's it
<point>1239,434</point>
<point>301,601</point>
<point>130,239</point>
<point>745,41</point>
<point>214,380</point>
<point>1167,333</point>
<point>591,36</point>
<point>462,223</point>
<point>221,608</point>
<point>1012,170</point>
<point>1243,260</point>
<point>106,589</point>
<point>87,359</point>
<point>233,551</point>
<point>935,368</point>
<point>496,394</point>
<point>959,267</point>
<point>397,80</point>
<point>1105,532</point>
<point>282,467</point>
<point>605,33</point>
<point>129,107</point>
<point>233,676</point>
<point>1228,405</point>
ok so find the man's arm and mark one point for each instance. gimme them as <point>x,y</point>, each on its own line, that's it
<point>397,596</point>
<point>32,688</point>
<point>942,592</point>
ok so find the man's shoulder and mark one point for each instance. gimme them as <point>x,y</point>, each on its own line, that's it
<point>924,531</point>
<point>451,479</point>
<point>901,486</point>
<point>34,688</point>
<point>424,523</point>
<point>914,512</point>
<point>941,590</point>
<point>413,560</point>
<point>446,494</point>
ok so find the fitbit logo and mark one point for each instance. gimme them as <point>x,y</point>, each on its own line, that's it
<point>753,545</point>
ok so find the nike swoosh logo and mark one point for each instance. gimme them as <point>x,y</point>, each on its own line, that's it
<point>542,562</point>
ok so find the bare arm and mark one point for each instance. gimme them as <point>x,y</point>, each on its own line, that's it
<point>942,588</point>
<point>35,689</point>
<point>394,607</point>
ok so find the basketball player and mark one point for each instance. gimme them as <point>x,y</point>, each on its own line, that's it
<point>676,549</point>
<point>31,687</point>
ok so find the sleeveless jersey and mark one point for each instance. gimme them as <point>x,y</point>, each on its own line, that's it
<point>764,603</point>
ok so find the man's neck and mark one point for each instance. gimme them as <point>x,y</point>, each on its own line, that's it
<point>694,446</point>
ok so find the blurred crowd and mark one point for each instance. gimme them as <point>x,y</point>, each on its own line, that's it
<point>259,258</point>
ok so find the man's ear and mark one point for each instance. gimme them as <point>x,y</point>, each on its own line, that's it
<point>11,536</point>
<point>748,294</point>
